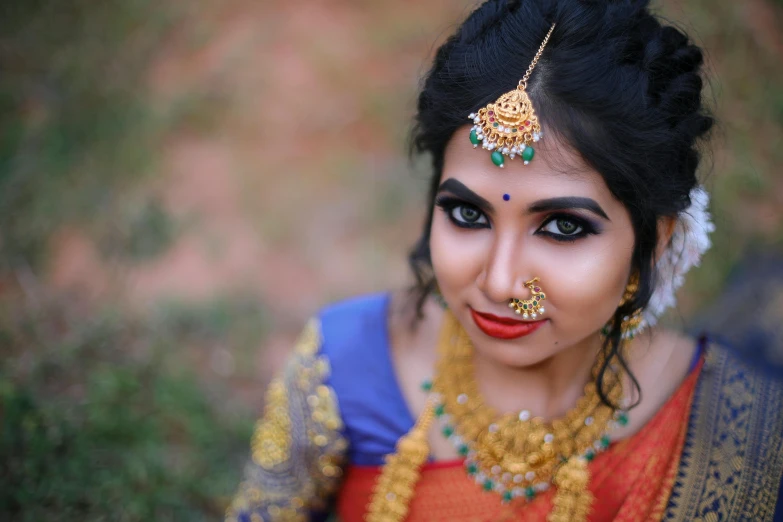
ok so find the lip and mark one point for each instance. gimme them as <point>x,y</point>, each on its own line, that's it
<point>504,327</point>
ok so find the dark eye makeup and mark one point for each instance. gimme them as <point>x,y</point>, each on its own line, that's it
<point>462,213</point>
<point>560,226</point>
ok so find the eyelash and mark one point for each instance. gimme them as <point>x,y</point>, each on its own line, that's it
<point>449,204</point>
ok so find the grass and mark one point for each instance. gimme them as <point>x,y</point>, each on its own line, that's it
<point>94,432</point>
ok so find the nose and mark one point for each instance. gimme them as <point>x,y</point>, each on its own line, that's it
<point>503,274</point>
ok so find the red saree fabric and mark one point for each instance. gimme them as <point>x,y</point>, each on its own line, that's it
<point>631,481</point>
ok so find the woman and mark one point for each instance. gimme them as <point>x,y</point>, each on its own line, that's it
<point>524,379</point>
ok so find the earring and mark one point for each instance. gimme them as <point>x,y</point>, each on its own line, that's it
<point>631,324</point>
<point>532,307</point>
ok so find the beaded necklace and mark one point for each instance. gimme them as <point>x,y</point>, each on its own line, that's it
<point>514,455</point>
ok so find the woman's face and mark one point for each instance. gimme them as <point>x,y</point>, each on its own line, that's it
<point>494,229</point>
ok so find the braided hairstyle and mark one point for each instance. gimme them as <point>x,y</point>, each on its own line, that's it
<point>615,83</point>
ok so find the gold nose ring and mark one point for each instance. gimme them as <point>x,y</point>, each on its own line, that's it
<point>533,307</point>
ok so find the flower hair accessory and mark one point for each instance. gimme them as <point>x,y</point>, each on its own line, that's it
<point>689,242</point>
<point>509,127</point>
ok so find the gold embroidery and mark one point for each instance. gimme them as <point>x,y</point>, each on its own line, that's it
<point>271,442</point>
<point>733,456</point>
<point>298,447</point>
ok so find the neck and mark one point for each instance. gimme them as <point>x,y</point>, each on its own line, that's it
<point>547,389</point>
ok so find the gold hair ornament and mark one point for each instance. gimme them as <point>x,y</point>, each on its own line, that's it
<point>532,307</point>
<point>509,127</point>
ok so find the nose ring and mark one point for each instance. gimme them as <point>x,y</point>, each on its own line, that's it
<point>533,307</point>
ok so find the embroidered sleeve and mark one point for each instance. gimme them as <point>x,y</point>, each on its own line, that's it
<point>297,447</point>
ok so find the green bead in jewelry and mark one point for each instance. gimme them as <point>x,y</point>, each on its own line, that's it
<point>527,154</point>
<point>497,158</point>
<point>474,139</point>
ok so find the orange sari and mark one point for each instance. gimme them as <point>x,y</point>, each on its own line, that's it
<point>631,481</point>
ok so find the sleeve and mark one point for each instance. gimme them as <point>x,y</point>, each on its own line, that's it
<point>298,447</point>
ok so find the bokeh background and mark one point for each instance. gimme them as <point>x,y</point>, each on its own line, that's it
<point>183,183</point>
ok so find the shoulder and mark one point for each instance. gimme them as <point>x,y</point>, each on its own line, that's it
<point>355,326</point>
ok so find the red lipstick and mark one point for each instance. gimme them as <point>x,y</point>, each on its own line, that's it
<point>504,327</point>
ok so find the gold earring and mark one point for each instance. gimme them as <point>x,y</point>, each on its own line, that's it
<point>532,307</point>
<point>631,324</point>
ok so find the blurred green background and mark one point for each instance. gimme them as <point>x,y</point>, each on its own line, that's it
<point>163,236</point>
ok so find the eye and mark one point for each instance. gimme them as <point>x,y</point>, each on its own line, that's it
<point>468,215</point>
<point>566,228</point>
<point>563,226</point>
<point>462,214</point>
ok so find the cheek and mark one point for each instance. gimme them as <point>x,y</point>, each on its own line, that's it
<point>585,283</point>
<point>456,254</point>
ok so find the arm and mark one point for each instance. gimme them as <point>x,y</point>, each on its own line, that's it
<point>298,447</point>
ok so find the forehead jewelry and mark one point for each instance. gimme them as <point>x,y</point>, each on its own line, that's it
<point>509,127</point>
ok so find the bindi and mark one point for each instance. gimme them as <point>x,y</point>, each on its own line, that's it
<point>506,197</point>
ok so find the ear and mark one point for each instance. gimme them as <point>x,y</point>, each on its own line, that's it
<point>665,230</point>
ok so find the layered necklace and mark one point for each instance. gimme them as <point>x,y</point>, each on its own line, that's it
<point>514,455</point>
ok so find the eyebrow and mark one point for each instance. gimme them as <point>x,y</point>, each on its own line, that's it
<point>460,190</point>
<point>543,205</point>
<point>565,203</point>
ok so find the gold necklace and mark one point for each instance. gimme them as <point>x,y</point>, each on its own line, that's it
<point>516,456</point>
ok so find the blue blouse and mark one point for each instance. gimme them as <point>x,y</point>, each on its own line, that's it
<point>356,342</point>
<point>374,410</point>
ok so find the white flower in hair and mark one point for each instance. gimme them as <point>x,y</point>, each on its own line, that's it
<point>689,242</point>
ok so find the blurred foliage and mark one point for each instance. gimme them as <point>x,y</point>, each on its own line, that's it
<point>91,432</point>
<point>75,129</point>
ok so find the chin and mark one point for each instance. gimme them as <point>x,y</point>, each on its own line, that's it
<point>522,352</point>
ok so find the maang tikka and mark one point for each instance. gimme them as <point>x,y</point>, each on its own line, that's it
<point>509,127</point>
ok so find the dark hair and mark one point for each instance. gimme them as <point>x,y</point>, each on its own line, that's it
<point>614,83</point>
